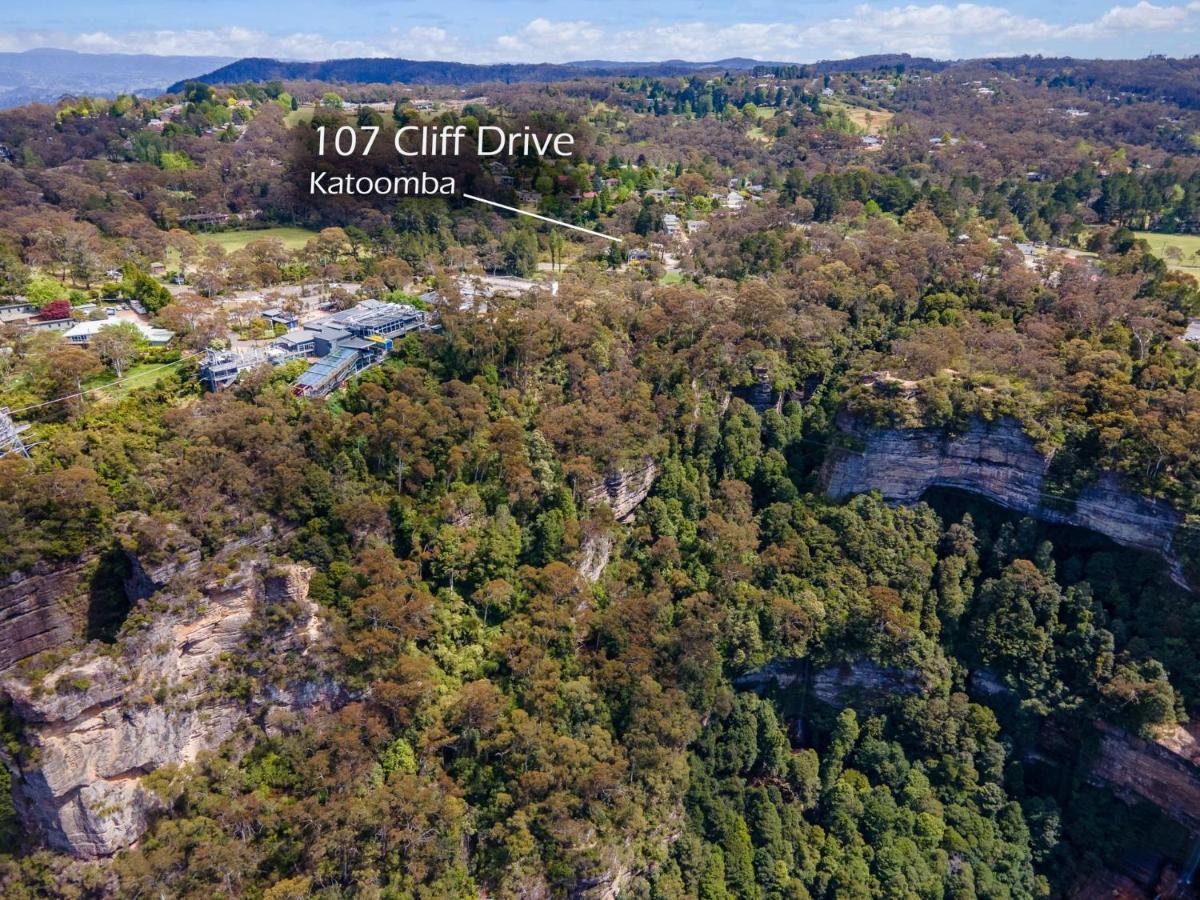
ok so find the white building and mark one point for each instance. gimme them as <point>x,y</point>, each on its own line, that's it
<point>83,332</point>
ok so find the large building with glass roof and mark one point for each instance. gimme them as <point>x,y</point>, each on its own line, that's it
<point>342,343</point>
<point>348,341</point>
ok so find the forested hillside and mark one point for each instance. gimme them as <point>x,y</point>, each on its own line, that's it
<point>552,601</point>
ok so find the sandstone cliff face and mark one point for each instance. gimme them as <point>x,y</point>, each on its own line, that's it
<point>40,609</point>
<point>46,608</point>
<point>594,554</point>
<point>105,718</point>
<point>836,685</point>
<point>625,489</point>
<point>760,395</point>
<point>997,460</point>
<point>157,553</point>
<point>1163,772</point>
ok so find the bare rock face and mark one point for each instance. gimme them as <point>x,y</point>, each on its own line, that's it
<point>46,608</point>
<point>998,461</point>
<point>860,678</point>
<point>625,489</point>
<point>595,552</point>
<point>100,722</point>
<point>1165,772</point>
<point>760,395</point>
<point>863,677</point>
<point>39,609</point>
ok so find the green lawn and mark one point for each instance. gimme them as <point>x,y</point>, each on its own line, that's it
<point>301,116</point>
<point>763,116</point>
<point>1188,244</point>
<point>292,238</point>
<point>867,121</point>
<point>139,376</point>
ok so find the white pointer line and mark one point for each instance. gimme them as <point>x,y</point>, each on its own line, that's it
<point>523,212</point>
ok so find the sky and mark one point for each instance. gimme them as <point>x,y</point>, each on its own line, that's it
<point>529,31</point>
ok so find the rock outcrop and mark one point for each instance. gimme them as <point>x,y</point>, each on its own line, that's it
<point>998,461</point>
<point>48,607</point>
<point>624,489</point>
<point>97,724</point>
<point>1164,772</point>
<point>859,678</point>
<point>41,609</point>
<point>760,395</point>
<point>157,553</point>
<point>594,554</point>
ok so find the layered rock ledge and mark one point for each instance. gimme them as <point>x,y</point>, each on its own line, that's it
<point>40,609</point>
<point>624,489</point>
<point>96,725</point>
<point>1000,462</point>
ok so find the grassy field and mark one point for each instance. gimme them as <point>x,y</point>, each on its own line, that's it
<point>135,377</point>
<point>292,238</point>
<point>1188,244</point>
<point>870,121</point>
<point>764,115</point>
<point>301,116</point>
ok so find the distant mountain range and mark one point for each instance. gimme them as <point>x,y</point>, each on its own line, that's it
<point>410,71</point>
<point>43,76</point>
<point>46,75</point>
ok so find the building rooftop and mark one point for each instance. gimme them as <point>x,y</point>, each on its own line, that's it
<point>85,330</point>
<point>319,372</point>
<point>295,338</point>
<point>369,314</point>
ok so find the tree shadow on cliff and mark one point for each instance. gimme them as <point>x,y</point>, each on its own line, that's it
<point>108,602</point>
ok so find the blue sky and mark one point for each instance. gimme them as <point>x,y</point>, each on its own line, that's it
<point>526,31</point>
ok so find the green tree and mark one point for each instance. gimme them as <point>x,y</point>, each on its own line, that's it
<point>117,344</point>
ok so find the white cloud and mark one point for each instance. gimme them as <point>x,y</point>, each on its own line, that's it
<point>1131,19</point>
<point>937,29</point>
<point>541,33</point>
<point>422,42</point>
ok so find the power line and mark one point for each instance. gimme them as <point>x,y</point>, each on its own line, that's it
<point>102,387</point>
